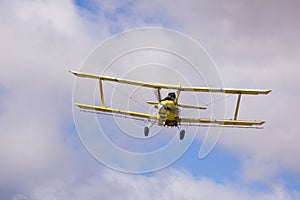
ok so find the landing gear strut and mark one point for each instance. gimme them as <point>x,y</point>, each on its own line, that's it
<point>147,128</point>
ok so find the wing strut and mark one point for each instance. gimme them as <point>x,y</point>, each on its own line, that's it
<point>158,94</point>
<point>101,93</point>
<point>177,94</point>
<point>237,106</point>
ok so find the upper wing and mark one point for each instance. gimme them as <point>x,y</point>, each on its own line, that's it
<point>221,122</point>
<point>116,111</point>
<point>176,87</point>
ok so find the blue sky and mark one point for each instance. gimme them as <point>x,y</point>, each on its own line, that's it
<point>254,44</point>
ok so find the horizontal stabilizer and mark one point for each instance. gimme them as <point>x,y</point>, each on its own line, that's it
<point>193,107</point>
<point>152,102</point>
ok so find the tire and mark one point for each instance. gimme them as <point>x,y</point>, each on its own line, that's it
<point>146,131</point>
<point>181,134</point>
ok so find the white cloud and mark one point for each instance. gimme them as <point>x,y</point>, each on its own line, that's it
<point>255,44</point>
<point>166,184</point>
<point>42,40</point>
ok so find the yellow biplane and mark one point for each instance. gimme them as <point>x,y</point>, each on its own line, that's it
<point>168,108</point>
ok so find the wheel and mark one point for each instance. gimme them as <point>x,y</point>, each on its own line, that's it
<point>181,134</point>
<point>146,131</point>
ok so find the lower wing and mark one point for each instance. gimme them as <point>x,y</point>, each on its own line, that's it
<point>116,111</point>
<point>224,122</point>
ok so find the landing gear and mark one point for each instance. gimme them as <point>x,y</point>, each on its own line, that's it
<point>146,131</point>
<point>181,134</point>
<point>147,128</point>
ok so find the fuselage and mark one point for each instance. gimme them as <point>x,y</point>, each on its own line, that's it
<point>167,113</point>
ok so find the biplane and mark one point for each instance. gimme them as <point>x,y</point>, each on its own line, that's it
<point>167,114</point>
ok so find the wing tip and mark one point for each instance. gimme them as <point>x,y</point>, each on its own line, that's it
<point>73,72</point>
<point>265,92</point>
<point>262,122</point>
<point>79,105</point>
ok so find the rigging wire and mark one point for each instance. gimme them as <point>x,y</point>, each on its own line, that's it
<point>208,104</point>
<point>130,97</point>
<point>144,106</point>
<point>218,100</point>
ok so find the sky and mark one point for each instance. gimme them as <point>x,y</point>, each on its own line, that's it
<point>255,44</point>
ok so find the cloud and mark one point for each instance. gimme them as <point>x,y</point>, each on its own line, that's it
<point>40,40</point>
<point>254,44</point>
<point>166,184</point>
